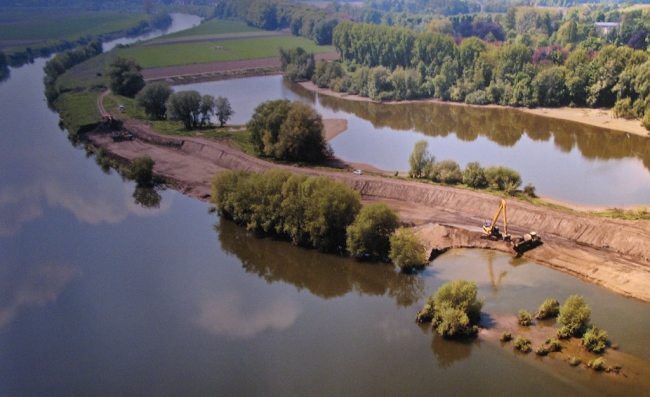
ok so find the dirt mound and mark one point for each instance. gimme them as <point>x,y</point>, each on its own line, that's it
<point>610,252</point>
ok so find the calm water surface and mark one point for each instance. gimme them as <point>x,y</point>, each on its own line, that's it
<point>564,160</point>
<point>101,296</point>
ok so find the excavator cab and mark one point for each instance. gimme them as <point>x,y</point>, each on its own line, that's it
<point>491,230</point>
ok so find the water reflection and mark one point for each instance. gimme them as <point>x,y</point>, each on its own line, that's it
<point>147,197</point>
<point>30,286</point>
<point>502,126</point>
<point>449,351</point>
<point>306,269</point>
<point>5,73</point>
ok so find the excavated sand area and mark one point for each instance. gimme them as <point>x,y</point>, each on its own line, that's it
<point>609,252</point>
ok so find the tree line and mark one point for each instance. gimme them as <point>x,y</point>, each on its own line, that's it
<point>388,63</point>
<point>64,61</point>
<point>315,212</point>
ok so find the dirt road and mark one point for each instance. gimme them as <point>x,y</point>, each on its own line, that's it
<point>608,252</point>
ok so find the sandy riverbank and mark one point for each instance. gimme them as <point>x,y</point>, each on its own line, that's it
<point>595,117</point>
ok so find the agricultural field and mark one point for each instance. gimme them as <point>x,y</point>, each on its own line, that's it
<point>216,51</point>
<point>67,26</point>
<point>215,27</point>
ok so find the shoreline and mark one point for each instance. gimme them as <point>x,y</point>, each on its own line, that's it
<point>602,118</point>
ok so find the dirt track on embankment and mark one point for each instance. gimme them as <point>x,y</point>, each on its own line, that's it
<point>608,252</point>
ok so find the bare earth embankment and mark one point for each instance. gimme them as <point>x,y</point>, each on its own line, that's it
<point>608,252</point>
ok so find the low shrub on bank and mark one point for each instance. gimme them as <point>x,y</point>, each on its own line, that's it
<point>406,250</point>
<point>522,344</point>
<point>454,310</point>
<point>595,340</point>
<point>506,336</point>
<point>550,308</point>
<point>524,317</point>
<point>574,315</point>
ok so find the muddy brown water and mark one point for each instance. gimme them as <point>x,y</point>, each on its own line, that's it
<point>100,295</point>
<point>564,160</point>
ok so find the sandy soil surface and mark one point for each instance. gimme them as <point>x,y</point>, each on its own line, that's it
<point>596,117</point>
<point>334,127</point>
<point>206,68</point>
<point>608,252</point>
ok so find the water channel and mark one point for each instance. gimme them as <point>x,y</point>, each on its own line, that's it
<point>101,296</point>
<point>567,161</point>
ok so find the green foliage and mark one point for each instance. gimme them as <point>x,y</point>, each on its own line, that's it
<point>297,64</point>
<point>575,314</point>
<point>502,177</point>
<point>524,317</point>
<point>595,340</point>
<point>550,308</point>
<point>311,211</point>
<point>597,364</point>
<point>554,345</point>
<point>529,190</point>
<point>141,171</point>
<point>421,161</point>
<point>371,230</point>
<point>542,350</point>
<point>564,333</point>
<point>454,310</point>
<point>522,344</point>
<point>153,99</point>
<point>190,108</point>
<point>575,361</point>
<point>446,171</point>
<point>288,131</point>
<point>474,175</point>
<point>506,336</point>
<point>125,77</point>
<point>222,110</point>
<point>406,250</point>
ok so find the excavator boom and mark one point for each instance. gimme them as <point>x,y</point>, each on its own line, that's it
<point>491,229</point>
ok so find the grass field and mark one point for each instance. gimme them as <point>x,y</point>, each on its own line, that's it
<point>66,26</point>
<point>204,52</point>
<point>215,26</point>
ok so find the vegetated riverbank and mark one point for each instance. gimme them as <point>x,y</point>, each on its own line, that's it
<point>607,252</point>
<point>603,118</point>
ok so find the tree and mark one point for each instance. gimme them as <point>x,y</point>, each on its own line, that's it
<point>446,171</point>
<point>454,310</point>
<point>550,308</point>
<point>185,106</point>
<point>595,340</point>
<point>223,110</point>
<point>574,315</point>
<point>288,131</point>
<point>141,171</point>
<point>406,250</point>
<point>153,98</point>
<point>420,159</point>
<point>474,175</point>
<point>370,232</point>
<point>125,77</point>
<point>502,177</point>
<point>191,108</point>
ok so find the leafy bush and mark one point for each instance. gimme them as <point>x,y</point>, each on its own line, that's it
<point>575,314</point>
<point>529,190</point>
<point>153,99</point>
<point>454,310</point>
<point>406,250</point>
<point>564,333</point>
<point>554,345</point>
<point>574,361</point>
<point>370,232</point>
<point>597,364</point>
<point>141,170</point>
<point>502,177</point>
<point>474,175</point>
<point>420,160</point>
<point>311,211</point>
<point>595,340</point>
<point>522,344</point>
<point>550,308</point>
<point>506,336</point>
<point>542,350</point>
<point>524,317</point>
<point>623,108</point>
<point>447,171</point>
<point>479,97</point>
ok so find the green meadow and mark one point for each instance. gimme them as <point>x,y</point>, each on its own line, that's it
<point>216,51</point>
<point>215,27</point>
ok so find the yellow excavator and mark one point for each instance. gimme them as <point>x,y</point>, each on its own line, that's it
<point>491,230</point>
<point>520,244</point>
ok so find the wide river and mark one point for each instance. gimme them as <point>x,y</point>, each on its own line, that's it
<point>100,296</point>
<point>566,161</point>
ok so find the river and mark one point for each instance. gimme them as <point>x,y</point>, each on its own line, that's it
<point>564,160</point>
<point>101,296</point>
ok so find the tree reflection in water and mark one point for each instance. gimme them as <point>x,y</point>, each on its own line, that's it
<point>504,127</point>
<point>147,197</point>
<point>326,276</point>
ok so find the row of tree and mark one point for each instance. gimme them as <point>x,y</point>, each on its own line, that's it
<point>315,212</point>
<point>64,61</point>
<point>423,165</point>
<point>392,63</point>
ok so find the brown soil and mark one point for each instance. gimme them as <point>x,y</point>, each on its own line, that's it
<point>334,127</point>
<point>212,67</point>
<point>608,252</point>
